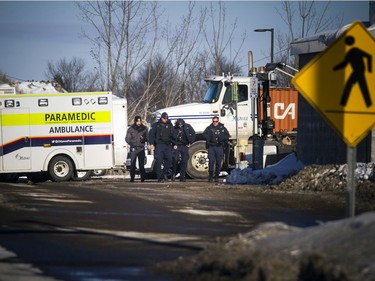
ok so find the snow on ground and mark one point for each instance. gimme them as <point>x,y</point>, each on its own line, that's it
<point>272,174</point>
<point>35,87</point>
<point>337,251</point>
<point>290,166</point>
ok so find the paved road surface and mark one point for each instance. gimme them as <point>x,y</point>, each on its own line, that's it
<point>111,229</point>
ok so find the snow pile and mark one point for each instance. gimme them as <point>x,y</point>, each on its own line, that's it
<point>35,87</point>
<point>273,174</point>
<point>291,173</point>
<point>363,172</point>
<point>338,250</point>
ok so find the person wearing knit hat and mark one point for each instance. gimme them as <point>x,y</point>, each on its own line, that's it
<point>160,139</point>
<point>183,136</point>
<point>136,136</point>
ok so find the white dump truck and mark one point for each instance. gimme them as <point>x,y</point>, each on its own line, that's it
<point>238,110</point>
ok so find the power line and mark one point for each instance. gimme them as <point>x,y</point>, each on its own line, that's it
<point>14,78</point>
<point>266,57</point>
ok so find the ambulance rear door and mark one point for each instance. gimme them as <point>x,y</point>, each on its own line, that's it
<point>15,139</point>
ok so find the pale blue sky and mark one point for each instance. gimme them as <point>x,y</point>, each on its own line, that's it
<point>33,33</point>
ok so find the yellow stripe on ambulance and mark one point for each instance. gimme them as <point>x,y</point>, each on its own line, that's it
<point>24,119</point>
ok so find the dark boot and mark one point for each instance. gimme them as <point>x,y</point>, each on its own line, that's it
<point>210,177</point>
<point>216,177</point>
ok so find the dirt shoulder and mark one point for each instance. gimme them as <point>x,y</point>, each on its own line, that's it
<point>342,250</point>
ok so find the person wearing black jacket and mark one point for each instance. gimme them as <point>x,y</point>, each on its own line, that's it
<point>183,136</point>
<point>216,136</point>
<point>160,139</point>
<point>136,136</point>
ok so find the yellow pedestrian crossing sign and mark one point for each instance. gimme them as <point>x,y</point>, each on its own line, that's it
<point>340,83</point>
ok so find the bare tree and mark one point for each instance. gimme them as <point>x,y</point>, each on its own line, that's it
<point>184,46</point>
<point>303,18</point>
<point>4,78</point>
<point>69,74</point>
<point>219,39</point>
<point>165,76</point>
<point>131,43</point>
<point>123,30</point>
<point>150,86</point>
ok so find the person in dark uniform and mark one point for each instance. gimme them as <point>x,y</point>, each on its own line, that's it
<point>160,139</point>
<point>183,136</point>
<point>216,136</point>
<point>136,136</point>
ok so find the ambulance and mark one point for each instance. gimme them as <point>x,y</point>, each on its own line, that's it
<point>55,136</point>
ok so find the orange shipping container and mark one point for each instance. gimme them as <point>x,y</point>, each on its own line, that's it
<point>284,109</point>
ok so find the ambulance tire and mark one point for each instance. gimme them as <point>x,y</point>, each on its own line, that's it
<point>60,168</point>
<point>81,175</point>
<point>197,167</point>
<point>9,178</point>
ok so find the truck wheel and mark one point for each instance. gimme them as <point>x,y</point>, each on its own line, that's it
<point>197,167</point>
<point>82,175</point>
<point>60,168</point>
<point>99,173</point>
<point>38,177</point>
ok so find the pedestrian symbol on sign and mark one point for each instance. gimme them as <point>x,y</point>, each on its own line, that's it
<point>355,57</point>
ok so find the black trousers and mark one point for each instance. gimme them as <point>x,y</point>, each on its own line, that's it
<point>215,157</point>
<point>183,151</point>
<point>140,154</point>
<point>163,157</point>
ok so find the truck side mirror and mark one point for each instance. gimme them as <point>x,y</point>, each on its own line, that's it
<point>222,112</point>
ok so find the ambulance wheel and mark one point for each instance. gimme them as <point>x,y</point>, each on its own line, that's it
<point>197,167</point>
<point>82,175</point>
<point>60,168</point>
<point>9,178</point>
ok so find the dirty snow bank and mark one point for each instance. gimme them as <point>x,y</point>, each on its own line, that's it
<point>272,174</point>
<point>342,250</point>
<point>290,169</point>
<point>35,87</point>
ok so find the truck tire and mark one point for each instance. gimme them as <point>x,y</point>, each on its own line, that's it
<point>38,177</point>
<point>82,175</point>
<point>60,168</point>
<point>197,167</point>
<point>99,173</point>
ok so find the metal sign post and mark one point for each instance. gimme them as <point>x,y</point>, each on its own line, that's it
<point>256,157</point>
<point>254,96</point>
<point>350,180</point>
<point>235,100</point>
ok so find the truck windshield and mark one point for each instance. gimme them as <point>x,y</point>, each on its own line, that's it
<point>213,93</point>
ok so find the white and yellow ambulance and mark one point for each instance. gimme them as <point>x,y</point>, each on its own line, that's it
<point>55,135</point>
